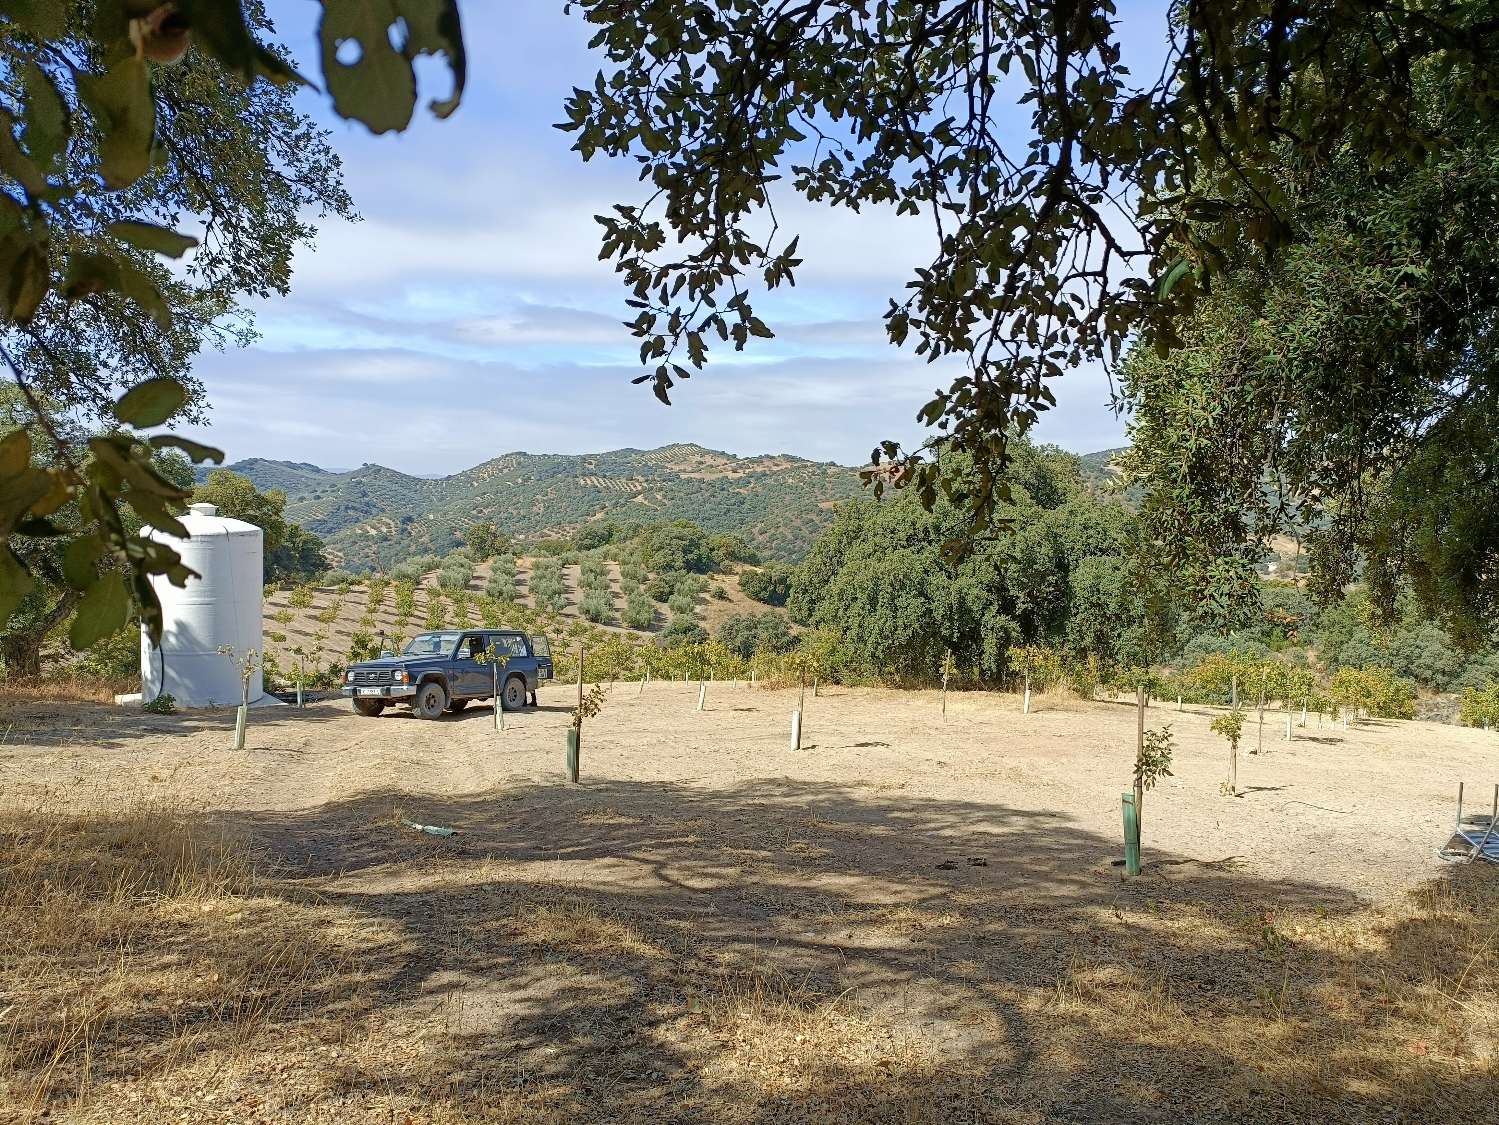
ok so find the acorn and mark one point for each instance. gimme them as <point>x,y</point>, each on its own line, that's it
<point>162,34</point>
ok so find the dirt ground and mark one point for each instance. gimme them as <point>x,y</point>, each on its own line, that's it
<point>909,919</point>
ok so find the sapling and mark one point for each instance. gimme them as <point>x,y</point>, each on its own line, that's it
<point>497,661</point>
<point>1231,727</point>
<point>1152,762</point>
<point>301,671</point>
<point>589,705</point>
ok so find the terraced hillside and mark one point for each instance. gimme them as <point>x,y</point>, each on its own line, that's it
<point>373,517</point>
<point>331,624</point>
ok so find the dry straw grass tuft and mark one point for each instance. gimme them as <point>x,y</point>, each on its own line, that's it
<point>64,689</point>
<point>773,1047</point>
<point>130,940</point>
<point>1398,1007</point>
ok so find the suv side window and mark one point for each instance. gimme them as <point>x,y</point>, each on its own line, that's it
<point>514,644</point>
<point>472,648</point>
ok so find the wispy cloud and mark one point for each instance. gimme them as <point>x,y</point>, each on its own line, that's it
<point>468,314</point>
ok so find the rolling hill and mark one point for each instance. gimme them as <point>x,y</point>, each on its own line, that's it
<point>1098,468</point>
<point>375,517</point>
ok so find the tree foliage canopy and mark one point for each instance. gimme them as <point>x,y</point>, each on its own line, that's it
<point>291,552</point>
<point>746,634</point>
<point>1126,199</point>
<point>1067,575</point>
<point>1343,390</point>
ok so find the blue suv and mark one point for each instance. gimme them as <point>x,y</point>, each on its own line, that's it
<point>444,671</point>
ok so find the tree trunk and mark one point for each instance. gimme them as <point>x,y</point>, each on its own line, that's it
<point>22,654</point>
<point>21,650</point>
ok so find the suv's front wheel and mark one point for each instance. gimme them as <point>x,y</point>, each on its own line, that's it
<point>430,701</point>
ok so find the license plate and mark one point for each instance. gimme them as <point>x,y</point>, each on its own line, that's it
<point>369,691</point>
<point>544,673</point>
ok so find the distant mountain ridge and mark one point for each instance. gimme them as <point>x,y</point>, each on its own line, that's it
<point>374,516</point>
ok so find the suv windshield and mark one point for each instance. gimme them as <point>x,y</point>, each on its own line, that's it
<point>431,644</point>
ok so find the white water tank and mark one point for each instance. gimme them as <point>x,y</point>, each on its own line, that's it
<point>220,607</point>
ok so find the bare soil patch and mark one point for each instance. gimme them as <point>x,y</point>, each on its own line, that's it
<point>908,920</point>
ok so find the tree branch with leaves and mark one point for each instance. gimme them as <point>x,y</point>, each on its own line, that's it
<point>121,120</point>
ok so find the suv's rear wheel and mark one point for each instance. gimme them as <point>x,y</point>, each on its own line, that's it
<point>369,708</point>
<point>430,701</point>
<point>514,695</point>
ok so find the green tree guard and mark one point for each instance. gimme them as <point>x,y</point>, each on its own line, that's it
<point>1131,834</point>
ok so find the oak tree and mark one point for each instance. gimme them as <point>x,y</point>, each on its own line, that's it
<point>1119,200</point>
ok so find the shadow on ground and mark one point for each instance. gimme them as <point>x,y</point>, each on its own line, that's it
<point>787,951</point>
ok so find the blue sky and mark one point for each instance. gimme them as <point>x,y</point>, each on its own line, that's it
<point>467,314</point>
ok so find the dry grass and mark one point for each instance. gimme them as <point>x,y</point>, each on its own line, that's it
<point>141,952</point>
<point>1392,1008</point>
<point>573,923</point>
<point>64,689</point>
<point>131,940</point>
<point>769,1045</point>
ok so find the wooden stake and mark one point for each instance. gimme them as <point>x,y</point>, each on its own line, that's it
<point>494,686</point>
<point>796,730</point>
<point>702,694</point>
<point>1139,795</point>
<point>1025,706</point>
<point>946,668</point>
